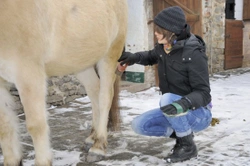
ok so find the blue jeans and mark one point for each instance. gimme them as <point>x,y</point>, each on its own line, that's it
<point>155,123</point>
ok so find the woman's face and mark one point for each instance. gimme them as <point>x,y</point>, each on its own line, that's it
<point>160,38</point>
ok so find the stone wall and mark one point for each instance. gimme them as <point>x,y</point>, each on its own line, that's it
<point>60,91</point>
<point>150,70</point>
<point>246,44</point>
<point>214,32</point>
<point>214,35</point>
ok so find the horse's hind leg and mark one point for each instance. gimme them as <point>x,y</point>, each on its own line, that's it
<point>31,85</point>
<point>91,82</point>
<point>106,70</point>
<point>9,138</point>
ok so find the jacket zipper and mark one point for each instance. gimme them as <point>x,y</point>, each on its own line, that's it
<point>165,69</point>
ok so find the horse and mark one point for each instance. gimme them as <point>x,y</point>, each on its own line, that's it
<point>44,38</point>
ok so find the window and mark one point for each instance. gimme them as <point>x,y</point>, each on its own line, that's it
<point>230,5</point>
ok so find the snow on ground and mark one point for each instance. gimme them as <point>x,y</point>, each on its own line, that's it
<point>225,144</point>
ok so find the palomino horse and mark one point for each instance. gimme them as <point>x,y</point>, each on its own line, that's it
<point>43,38</point>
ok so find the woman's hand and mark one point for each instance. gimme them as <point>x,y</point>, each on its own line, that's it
<point>128,58</point>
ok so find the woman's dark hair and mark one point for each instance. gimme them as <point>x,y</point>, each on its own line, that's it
<point>170,36</point>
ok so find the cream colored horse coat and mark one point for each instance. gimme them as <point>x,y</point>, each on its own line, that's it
<point>42,38</point>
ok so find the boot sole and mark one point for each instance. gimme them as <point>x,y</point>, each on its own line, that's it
<point>169,160</point>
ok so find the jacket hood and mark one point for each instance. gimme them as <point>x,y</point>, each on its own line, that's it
<point>194,41</point>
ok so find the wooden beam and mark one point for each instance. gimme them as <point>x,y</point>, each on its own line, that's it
<point>176,3</point>
<point>192,17</point>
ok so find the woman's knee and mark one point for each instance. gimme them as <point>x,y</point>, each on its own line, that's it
<point>149,123</point>
<point>137,127</point>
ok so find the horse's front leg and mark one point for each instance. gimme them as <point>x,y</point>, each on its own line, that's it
<point>31,85</point>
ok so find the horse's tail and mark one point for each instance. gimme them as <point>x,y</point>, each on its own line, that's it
<point>114,113</point>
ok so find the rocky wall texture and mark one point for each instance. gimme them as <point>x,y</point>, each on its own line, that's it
<point>214,33</point>
<point>61,90</point>
<point>150,70</point>
<point>246,43</point>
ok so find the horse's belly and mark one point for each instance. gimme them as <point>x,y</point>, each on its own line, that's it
<point>70,65</point>
<point>75,54</point>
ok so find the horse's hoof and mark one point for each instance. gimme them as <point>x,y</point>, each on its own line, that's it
<point>83,157</point>
<point>93,157</point>
<point>86,147</point>
<point>21,163</point>
<point>80,164</point>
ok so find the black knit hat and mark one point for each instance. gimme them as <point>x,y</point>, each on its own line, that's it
<point>172,19</point>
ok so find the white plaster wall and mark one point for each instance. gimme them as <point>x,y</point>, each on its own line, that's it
<point>238,9</point>
<point>137,36</point>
